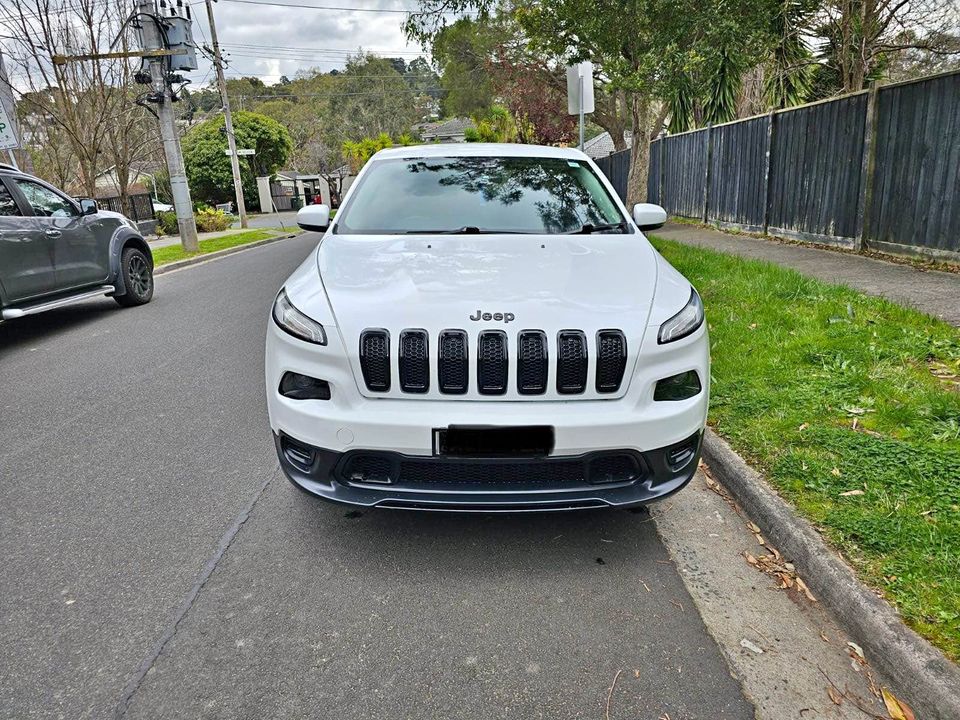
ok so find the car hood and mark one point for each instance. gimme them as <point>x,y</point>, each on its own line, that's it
<point>545,282</point>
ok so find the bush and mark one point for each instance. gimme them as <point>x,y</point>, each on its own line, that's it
<point>210,220</point>
<point>167,223</point>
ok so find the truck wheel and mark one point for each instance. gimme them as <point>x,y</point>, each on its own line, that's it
<point>137,278</point>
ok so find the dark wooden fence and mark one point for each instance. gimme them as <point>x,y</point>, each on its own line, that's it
<point>141,206</point>
<point>879,168</point>
<point>616,166</point>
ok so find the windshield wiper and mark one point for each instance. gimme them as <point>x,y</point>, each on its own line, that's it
<point>599,227</point>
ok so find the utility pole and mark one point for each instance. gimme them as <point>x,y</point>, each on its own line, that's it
<point>150,34</point>
<point>228,118</point>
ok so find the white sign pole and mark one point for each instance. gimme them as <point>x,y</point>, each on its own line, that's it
<point>580,92</point>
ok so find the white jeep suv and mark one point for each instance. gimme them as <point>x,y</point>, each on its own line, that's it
<point>484,327</point>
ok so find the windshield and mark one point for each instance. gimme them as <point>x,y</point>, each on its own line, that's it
<point>531,195</point>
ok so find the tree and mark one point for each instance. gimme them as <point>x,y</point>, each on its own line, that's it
<point>861,38</point>
<point>83,113</point>
<point>462,52</point>
<point>371,98</point>
<point>208,166</point>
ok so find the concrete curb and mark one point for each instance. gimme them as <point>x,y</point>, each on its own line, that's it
<point>197,259</point>
<point>923,676</point>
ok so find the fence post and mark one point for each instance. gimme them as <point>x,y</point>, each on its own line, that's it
<point>768,170</point>
<point>706,172</point>
<point>867,170</point>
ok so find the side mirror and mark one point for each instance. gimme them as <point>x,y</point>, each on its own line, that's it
<point>648,216</point>
<point>314,217</point>
<point>88,206</point>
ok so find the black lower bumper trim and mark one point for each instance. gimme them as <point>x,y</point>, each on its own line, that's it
<point>372,478</point>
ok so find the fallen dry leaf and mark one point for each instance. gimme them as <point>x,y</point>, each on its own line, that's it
<point>823,636</point>
<point>851,493</point>
<point>898,709</point>
<point>835,472</point>
<point>751,559</point>
<point>857,650</point>
<point>836,697</point>
<point>751,646</point>
<point>803,427</point>
<point>802,587</point>
<point>760,540</point>
<point>753,527</point>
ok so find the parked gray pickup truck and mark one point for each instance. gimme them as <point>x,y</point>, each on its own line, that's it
<point>55,250</point>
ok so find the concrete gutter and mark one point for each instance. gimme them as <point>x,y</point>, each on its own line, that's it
<point>196,259</point>
<point>923,676</point>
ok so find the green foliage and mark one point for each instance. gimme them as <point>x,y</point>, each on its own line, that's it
<point>208,167</point>
<point>461,51</point>
<point>167,223</point>
<point>495,126</point>
<point>828,391</point>
<point>210,220</point>
<point>357,153</point>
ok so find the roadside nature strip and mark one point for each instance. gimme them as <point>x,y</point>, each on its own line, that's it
<point>850,406</point>
<point>172,253</point>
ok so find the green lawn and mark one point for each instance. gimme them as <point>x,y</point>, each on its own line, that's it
<point>172,253</point>
<point>829,391</point>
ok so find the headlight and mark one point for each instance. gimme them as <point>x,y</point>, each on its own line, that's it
<point>295,322</point>
<point>684,322</point>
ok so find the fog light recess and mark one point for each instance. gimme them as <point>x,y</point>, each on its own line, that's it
<point>678,387</point>
<point>303,387</point>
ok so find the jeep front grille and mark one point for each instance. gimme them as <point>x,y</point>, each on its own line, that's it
<point>532,362</point>
<point>611,360</point>
<point>571,362</point>
<point>492,362</point>
<point>456,371</point>
<point>375,359</point>
<point>414,361</point>
<point>452,362</point>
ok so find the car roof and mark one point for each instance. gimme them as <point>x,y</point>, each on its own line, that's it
<point>479,150</point>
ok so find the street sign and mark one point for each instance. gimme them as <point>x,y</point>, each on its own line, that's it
<point>242,151</point>
<point>582,70</point>
<point>8,139</point>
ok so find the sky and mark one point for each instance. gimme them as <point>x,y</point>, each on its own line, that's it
<point>268,41</point>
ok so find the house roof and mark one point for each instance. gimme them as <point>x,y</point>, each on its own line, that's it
<point>602,144</point>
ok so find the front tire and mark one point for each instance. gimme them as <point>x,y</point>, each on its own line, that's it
<point>137,278</point>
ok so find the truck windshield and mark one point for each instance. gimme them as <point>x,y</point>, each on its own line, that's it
<point>530,195</point>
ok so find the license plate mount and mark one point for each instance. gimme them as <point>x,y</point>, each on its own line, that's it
<point>487,441</point>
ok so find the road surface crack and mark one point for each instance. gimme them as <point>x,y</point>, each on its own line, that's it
<point>187,603</point>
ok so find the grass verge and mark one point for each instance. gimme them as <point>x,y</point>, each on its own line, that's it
<point>172,253</point>
<point>850,406</point>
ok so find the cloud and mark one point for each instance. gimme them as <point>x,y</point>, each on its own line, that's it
<point>268,41</point>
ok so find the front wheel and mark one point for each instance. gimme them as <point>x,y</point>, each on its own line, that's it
<point>137,278</point>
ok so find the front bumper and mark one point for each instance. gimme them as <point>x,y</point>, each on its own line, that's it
<point>600,479</point>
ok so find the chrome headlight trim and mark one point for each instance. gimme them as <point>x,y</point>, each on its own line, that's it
<point>684,322</point>
<point>294,322</point>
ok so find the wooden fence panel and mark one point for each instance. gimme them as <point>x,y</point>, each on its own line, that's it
<point>816,170</point>
<point>916,187</point>
<point>616,167</point>
<point>738,193</point>
<point>653,173</point>
<point>684,162</point>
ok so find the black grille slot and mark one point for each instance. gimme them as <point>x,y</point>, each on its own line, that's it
<point>414,361</point>
<point>531,362</point>
<point>611,360</point>
<point>571,362</point>
<point>544,473</point>
<point>452,366</point>
<point>375,359</point>
<point>492,362</point>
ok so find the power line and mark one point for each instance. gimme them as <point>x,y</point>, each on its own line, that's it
<point>397,51</point>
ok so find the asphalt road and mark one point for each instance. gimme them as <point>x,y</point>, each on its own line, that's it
<point>156,564</point>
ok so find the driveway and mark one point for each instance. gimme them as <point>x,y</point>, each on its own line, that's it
<point>158,565</point>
